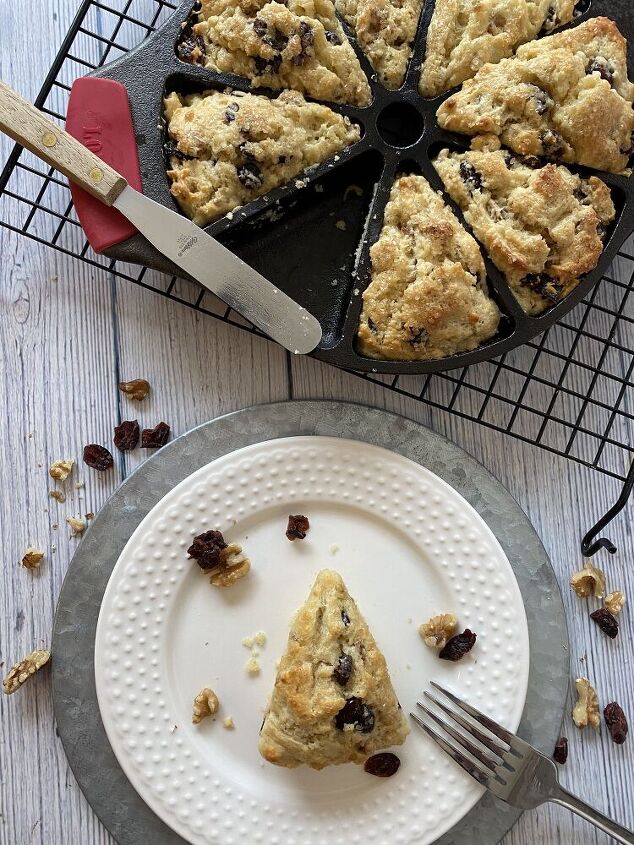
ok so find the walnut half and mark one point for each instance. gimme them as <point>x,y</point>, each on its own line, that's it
<point>439,630</point>
<point>588,581</point>
<point>25,669</point>
<point>586,710</point>
<point>60,470</point>
<point>234,564</point>
<point>205,704</point>
<point>32,558</point>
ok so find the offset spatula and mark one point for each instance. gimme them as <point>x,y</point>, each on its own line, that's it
<point>184,243</point>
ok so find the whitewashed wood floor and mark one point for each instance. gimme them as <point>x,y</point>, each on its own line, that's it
<point>68,334</point>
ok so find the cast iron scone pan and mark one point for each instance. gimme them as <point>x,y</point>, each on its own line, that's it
<point>295,236</point>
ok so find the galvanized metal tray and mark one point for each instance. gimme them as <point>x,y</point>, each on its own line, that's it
<point>105,786</point>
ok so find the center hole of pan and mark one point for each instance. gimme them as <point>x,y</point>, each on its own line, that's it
<point>400,125</point>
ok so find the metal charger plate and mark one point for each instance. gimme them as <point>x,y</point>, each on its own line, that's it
<point>284,234</point>
<point>79,724</point>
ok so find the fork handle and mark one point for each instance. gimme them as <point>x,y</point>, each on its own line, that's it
<point>593,816</point>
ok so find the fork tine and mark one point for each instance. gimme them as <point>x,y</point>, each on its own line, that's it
<point>463,742</point>
<point>493,747</point>
<point>518,747</point>
<point>481,775</point>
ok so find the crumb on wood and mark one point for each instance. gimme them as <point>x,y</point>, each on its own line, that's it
<point>252,666</point>
<point>341,225</point>
<point>333,548</point>
<point>57,495</point>
<point>77,525</point>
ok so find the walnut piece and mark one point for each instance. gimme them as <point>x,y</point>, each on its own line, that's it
<point>32,558</point>
<point>25,669</point>
<point>58,496</point>
<point>234,564</point>
<point>60,470</point>
<point>615,602</point>
<point>586,710</point>
<point>77,525</point>
<point>588,581</point>
<point>439,630</point>
<point>136,389</point>
<point>205,704</point>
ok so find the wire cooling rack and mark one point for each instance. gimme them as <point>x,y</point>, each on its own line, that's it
<point>569,391</point>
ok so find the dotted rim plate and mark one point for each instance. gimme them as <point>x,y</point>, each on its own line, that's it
<point>410,543</point>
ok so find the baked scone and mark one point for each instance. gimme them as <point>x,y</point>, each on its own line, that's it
<point>298,44</point>
<point>385,30</point>
<point>226,149</point>
<point>566,97</point>
<point>465,34</point>
<point>542,225</point>
<point>427,297</point>
<point>333,700</point>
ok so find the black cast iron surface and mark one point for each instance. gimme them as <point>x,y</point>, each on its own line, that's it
<point>291,235</point>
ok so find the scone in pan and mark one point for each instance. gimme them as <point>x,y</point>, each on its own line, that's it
<point>437,181</point>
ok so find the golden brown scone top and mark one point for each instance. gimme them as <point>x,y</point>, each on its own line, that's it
<point>566,97</point>
<point>542,225</point>
<point>333,700</point>
<point>298,44</point>
<point>464,35</point>
<point>230,148</point>
<point>427,297</point>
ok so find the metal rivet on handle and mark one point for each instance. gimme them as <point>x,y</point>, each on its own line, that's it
<point>96,174</point>
<point>49,139</point>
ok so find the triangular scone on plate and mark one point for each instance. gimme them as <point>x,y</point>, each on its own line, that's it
<point>385,30</point>
<point>298,44</point>
<point>542,226</point>
<point>566,97</point>
<point>465,34</point>
<point>333,700</point>
<point>229,148</point>
<point>427,297</point>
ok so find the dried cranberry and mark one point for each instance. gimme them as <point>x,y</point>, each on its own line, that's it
<point>418,337</point>
<point>470,176</point>
<point>551,20</point>
<point>606,622</point>
<point>382,765</point>
<point>371,324</point>
<point>544,285</point>
<point>297,527</point>
<point>191,48</point>
<point>126,435</point>
<point>267,65</point>
<point>332,38</point>
<point>250,175</point>
<point>260,27</point>
<point>343,670</point>
<point>278,40</point>
<point>205,549</point>
<point>230,116</point>
<point>458,646</point>
<point>306,40</point>
<point>560,754</point>
<point>543,101</point>
<point>98,457</point>
<point>357,713</point>
<point>552,144</point>
<point>345,618</point>
<point>154,438</point>
<point>603,68</point>
<point>169,149</point>
<point>616,722</point>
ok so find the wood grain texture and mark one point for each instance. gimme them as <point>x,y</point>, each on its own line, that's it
<point>65,346</point>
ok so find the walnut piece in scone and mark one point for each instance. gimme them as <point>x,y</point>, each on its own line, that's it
<point>542,226</point>
<point>385,31</point>
<point>25,669</point>
<point>566,97</point>
<point>614,602</point>
<point>227,149</point>
<point>297,44</point>
<point>427,296</point>
<point>589,581</point>
<point>464,35</point>
<point>205,704</point>
<point>439,630</point>
<point>586,709</point>
<point>333,701</point>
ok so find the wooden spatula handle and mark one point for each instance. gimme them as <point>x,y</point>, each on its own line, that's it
<point>29,127</point>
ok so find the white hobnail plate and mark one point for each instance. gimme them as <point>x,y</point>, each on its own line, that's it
<point>407,545</point>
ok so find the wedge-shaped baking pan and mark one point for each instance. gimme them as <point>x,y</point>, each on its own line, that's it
<point>312,241</point>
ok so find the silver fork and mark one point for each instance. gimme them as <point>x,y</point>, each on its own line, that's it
<point>509,767</point>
